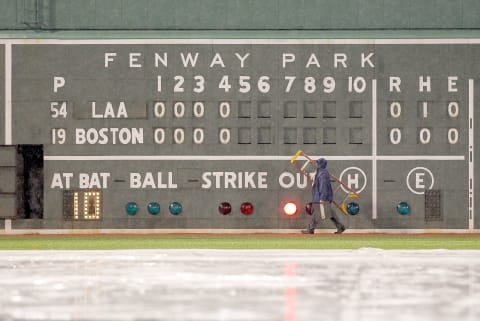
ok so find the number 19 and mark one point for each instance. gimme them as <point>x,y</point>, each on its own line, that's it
<point>59,135</point>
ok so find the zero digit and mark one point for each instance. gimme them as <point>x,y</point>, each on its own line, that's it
<point>179,135</point>
<point>198,109</point>
<point>159,109</point>
<point>224,109</point>
<point>453,109</point>
<point>198,135</point>
<point>395,109</point>
<point>159,135</point>
<point>424,136</point>
<point>224,136</point>
<point>179,109</point>
<point>452,136</point>
<point>395,136</point>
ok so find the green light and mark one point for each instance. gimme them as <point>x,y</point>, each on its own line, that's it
<point>175,208</point>
<point>403,208</point>
<point>153,208</point>
<point>353,208</point>
<point>131,208</point>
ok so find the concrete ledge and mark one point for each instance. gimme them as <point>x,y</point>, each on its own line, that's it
<point>241,34</point>
<point>9,231</point>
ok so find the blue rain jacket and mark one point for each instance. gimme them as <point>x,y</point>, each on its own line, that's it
<point>322,188</point>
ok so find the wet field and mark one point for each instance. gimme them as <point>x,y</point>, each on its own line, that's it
<point>365,284</point>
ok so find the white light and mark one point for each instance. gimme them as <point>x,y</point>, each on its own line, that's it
<point>290,208</point>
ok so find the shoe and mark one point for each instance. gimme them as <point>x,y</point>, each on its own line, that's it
<point>308,231</point>
<point>340,230</point>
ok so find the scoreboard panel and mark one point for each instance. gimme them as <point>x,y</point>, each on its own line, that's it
<point>2,91</point>
<point>140,134</point>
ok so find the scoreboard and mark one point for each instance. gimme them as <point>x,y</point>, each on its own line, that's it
<point>198,133</point>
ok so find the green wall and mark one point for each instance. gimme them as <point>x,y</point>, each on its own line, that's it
<point>239,14</point>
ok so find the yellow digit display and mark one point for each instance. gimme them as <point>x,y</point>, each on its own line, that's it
<point>86,205</point>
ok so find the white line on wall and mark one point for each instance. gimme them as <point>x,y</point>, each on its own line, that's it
<point>374,149</point>
<point>243,157</point>
<point>8,94</point>
<point>471,183</point>
<point>230,41</point>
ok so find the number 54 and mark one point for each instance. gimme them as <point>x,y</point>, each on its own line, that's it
<point>58,108</point>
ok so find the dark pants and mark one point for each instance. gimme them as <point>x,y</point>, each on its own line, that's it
<point>322,211</point>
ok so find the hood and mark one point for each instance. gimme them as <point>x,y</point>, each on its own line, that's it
<point>321,163</point>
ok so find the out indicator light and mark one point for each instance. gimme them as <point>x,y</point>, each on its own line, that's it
<point>290,208</point>
<point>225,208</point>
<point>246,208</point>
<point>309,208</point>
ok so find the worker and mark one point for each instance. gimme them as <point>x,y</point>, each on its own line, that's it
<point>322,197</point>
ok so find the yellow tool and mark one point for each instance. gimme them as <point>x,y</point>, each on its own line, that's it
<point>309,167</point>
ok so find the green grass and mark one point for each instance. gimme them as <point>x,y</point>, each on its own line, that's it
<point>117,242</point>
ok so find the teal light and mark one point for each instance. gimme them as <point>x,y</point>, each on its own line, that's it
<point>403,208</point>
<point>131,208</point>
<point>175,208</point>
<point>153,208</point>
<point>353,208</point>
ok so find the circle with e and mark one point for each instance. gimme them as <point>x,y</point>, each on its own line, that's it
<point>420,179</point>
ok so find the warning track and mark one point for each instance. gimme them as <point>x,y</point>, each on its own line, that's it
<point>239,241</point>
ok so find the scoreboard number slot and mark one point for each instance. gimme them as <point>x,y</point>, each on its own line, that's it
<point>224,109</point>
<point>58,109</point>
<point>453,109</point>
<point>59,136</point>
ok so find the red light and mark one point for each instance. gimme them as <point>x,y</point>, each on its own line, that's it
<point>290,208</point>
<point>246,208</point>
<point>309,208</point>
<point>225,208</point>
